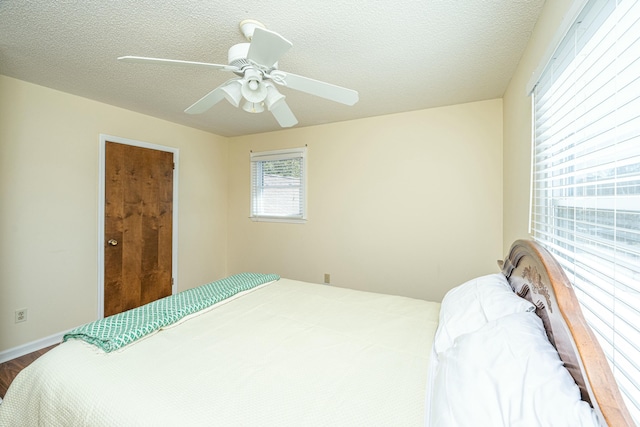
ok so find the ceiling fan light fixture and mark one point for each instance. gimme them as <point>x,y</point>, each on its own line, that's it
<point>253,89</point>
<point>254,95</point>
<point>233,92</point>
<point>253,107</point>
<point>274,98</point>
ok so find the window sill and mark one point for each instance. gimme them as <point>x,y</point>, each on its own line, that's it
<point>277,219</point>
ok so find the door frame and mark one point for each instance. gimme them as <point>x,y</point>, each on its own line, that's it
<point>101,210</point>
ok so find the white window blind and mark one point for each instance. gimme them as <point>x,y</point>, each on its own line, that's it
<point>278,185</point>
<point>586,176</point>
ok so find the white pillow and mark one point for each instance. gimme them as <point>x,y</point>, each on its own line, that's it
<point>468,307</point>
<point>506,374</point>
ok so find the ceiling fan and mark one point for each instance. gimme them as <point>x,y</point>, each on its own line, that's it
<point>256,65</point>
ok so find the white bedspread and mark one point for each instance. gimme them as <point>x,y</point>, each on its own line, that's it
<point>286,354</point>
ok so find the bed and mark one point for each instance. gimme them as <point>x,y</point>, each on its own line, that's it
<point>289,353</point>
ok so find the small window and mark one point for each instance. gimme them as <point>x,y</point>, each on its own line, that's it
<point>278,185</point>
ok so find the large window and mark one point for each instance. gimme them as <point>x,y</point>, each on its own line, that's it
<point>278,185</point>
<point>586,176</point>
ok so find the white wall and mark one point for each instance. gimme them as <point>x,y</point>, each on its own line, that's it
<point>395,202</point>
<point>49,201</point>
<point>517,124</point>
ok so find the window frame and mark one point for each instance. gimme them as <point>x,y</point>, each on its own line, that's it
<point>257,160</point>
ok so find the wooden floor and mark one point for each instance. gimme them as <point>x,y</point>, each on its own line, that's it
<point>10,369</point>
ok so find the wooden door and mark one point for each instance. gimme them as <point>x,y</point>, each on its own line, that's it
<point>138,226</point>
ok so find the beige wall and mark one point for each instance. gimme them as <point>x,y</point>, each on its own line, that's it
<point>517,124</point>
<point>395,202</point>
<point>49,203</point>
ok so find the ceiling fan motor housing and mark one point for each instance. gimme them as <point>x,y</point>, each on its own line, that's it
<point>238,55</point>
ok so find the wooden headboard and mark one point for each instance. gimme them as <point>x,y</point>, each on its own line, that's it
<point>534,274</point>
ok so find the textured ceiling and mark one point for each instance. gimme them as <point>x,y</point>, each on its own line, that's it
<point>399,55</point>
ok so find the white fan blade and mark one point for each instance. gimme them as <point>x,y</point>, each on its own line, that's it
<point>267,47</point>
<point>315,87</point>
<point>144,60</point>
<point>207,101</point>
<point>284,115</point>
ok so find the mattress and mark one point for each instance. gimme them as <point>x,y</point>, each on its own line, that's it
<point>288,353</point>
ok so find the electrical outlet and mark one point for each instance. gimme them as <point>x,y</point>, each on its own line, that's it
<point>21,315</point>
<point>327,278</point>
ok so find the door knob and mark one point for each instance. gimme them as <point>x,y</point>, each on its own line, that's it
<point>113,242</point>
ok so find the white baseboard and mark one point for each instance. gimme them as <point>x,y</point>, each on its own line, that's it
<point>30,347</point>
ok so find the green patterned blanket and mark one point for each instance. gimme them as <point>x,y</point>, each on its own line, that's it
<point>114,332</point>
